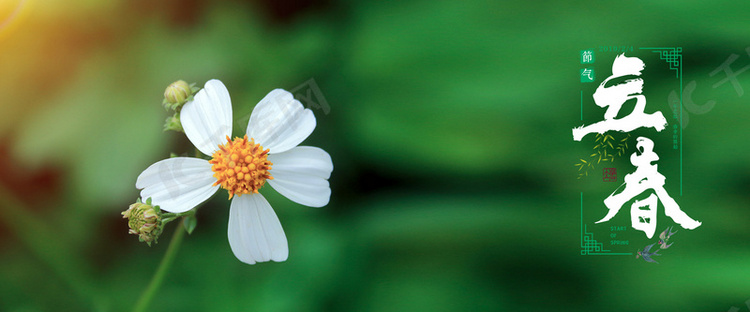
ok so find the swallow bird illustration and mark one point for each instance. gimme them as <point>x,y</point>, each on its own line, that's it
<point>664,238</point>
<point>647,254</point>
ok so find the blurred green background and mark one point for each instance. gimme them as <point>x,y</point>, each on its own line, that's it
<point>449,128</point>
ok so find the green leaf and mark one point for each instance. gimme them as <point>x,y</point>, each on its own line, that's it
<point>189,222</point>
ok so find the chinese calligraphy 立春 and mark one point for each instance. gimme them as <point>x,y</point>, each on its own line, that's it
<point>646,175</point>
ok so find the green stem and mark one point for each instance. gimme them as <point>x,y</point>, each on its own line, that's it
<point>169,216</point>
<point>161,272</point>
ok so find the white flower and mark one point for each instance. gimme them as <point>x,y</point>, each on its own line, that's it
<point>242,166</point>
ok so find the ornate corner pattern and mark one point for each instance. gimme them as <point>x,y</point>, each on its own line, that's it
<point>589,245</point>
<point>672,55</point>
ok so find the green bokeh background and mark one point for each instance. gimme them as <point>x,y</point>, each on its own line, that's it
<point>449,127</point>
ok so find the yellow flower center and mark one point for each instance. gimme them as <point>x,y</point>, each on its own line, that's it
<point>241,167</point>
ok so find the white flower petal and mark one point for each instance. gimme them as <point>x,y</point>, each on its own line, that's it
<point>279,122</point>
<point>207,119</point>
<point>177,184</point>
<point>255,233</point>
<point>301,174</point>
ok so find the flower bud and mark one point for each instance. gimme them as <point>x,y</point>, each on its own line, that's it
<point>144,220</point>
<point>177,94</point>
<point>173,123</point>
